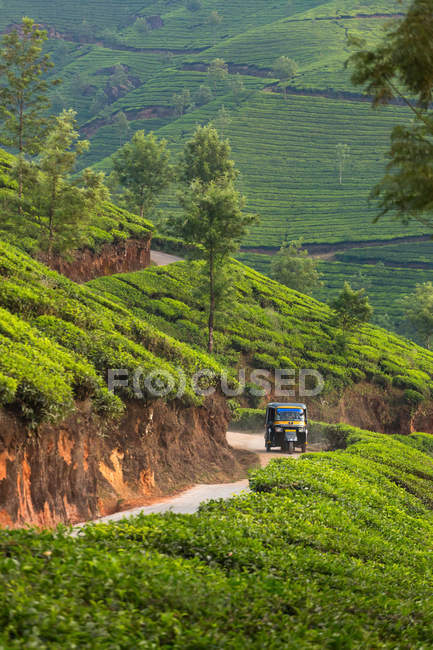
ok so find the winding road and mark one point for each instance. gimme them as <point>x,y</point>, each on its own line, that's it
<point>188,502</point>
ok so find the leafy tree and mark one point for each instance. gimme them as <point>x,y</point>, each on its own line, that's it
<point>99,102</point>
<point>122,126</point>
<point>213,209</point>
<point>285,69</point>
<point>218,72</point>
<point>207,158</point>
<point>351,308</point>
<point>57,207</point>
<point>343,154</point>
<point>203,95</point>
<point>23,91</point>
<point>141,25</point>
<point>222,120</point>
<point>85,32</point>
<point>401,67</point>
<point>293,267</point>
<point>119,78</point>
<point>214,21</point>
<point>419,312</point>
<point>214,219</point>
<point>142,166</point>
<point>182,102</point>
<point>237,87</point>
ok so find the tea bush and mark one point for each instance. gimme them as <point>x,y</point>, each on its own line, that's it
<point>330,551</point>
<point>58,339</point>
<point>270,326</point>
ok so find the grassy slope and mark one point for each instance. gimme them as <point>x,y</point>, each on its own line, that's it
<point>58,339</point>
<point>270,326</point>
<point>324,553</point>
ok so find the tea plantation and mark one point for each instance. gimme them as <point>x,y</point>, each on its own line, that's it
<point>269,326</point>
<point>331,551</point>
<point>58,339</point>
<point>110,225</point>
<point>371,268</point>
<point>286,150</point>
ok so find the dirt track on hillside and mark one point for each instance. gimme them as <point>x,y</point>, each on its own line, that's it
<point>188,502</point>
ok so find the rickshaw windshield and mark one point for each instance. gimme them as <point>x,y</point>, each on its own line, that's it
<point>289,414</point>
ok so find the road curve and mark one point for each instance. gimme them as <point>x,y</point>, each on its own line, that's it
<point>188,502</point>
<point>163,259</point>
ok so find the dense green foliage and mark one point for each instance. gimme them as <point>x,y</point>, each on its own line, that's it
<point>400,67</point>
<point>312,558</point>
<point>59,339</point>
<point>109,224</point>
<point>351,307</point>
<point>386,285</point>
<point>269,326</point>
<point>293,267</point>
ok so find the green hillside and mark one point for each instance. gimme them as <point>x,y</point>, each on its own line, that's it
<point>109,226</point>
<point>286,151</point>
<point>269,326</point>
<point>312,558</point>
<point>57,340</point>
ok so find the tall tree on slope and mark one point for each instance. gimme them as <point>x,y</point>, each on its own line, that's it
<point>213,209</point>
<point>23,91</point>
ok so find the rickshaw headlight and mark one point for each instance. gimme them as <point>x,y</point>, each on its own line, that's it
<point>278,429</point>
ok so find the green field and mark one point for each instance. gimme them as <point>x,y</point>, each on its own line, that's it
<point>403,254</point>
<point>331,551</point>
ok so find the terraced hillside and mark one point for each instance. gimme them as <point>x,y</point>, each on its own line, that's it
<point>136,59</point>
<point>270,327</point>
<point>387,273</point>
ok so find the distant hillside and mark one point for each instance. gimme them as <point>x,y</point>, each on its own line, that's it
<point>387,273</point>
<point>286,151</point>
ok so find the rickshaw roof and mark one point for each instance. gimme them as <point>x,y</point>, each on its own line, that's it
<point>285,405</point>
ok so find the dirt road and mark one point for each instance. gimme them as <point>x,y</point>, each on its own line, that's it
<point>188,502</point>
<point>163,259</point>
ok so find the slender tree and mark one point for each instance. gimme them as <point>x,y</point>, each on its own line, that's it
<point>214,219</point>
<point>218,72</point>
<point>58,207</point>
<point>122,126</point>
<point>285,69</point>
<point>213,209</point>
<point>23,91</point>
<point>142,167</point>
<point>343,154</point>
<point>222,120</point>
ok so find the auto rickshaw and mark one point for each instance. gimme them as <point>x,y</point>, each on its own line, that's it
<point>286,426</point>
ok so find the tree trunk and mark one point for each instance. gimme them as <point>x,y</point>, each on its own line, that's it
<point>20,158</point>
<point>51,221</point>
<point>211,302</point>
